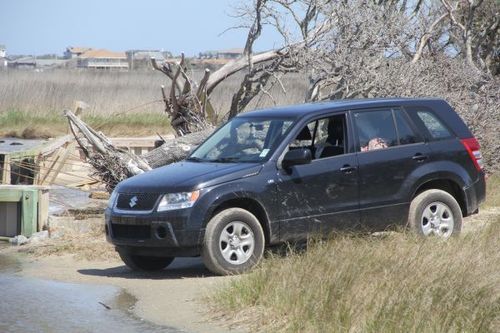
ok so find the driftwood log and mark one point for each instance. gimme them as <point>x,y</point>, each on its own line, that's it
<point>113,165</point>
<point>176,149</point>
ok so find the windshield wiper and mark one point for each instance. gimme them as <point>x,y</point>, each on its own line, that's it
<point>195,159</point>
<point>224,160</point>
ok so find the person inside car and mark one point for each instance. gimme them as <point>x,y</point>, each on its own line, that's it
<point>375,143</point>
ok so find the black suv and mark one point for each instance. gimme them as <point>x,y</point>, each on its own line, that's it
<point>283,174</point>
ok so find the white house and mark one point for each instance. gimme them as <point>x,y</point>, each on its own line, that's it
<point>103,59</point>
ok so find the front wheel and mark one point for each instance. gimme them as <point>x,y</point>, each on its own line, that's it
<point>435,213</point>
<point>145,263</point>
<point>234,242</point>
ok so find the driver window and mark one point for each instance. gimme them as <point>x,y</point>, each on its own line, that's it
<point>304,138</point>
<point>325,137</point>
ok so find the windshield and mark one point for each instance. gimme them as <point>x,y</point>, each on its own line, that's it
<point>243,140</point>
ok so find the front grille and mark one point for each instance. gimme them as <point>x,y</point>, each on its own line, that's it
<point>136,201</point>
<point>123,231</point>
<point>130,220</point>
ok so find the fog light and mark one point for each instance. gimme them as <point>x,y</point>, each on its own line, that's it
<point>161,232</point>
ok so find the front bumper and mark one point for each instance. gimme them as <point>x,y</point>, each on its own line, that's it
<point>154,231</point>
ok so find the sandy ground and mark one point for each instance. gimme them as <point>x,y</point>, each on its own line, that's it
<point>173,297</point>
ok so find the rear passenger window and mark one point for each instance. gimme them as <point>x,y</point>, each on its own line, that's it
<point>435,127</point>
<point>406,133</point>
<point>375,129</point>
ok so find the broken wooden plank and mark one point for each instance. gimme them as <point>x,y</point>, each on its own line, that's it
<point>6,170</point>
<point>66,151</point>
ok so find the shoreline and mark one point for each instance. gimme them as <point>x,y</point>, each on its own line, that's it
<point>173,298</point>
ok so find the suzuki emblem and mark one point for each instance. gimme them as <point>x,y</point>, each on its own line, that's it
<point>133,202</point>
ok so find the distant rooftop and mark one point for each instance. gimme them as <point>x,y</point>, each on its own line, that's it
<point>25,59</point>
<point>78,49</point>
<point>102,53</point>
<point>146,54</point>
<point>139,51</point>
<point>228,51</point>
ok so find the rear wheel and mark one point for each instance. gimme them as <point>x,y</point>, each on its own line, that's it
<point>234,242</point>
<point>435,213</point>
<point>144,263</point>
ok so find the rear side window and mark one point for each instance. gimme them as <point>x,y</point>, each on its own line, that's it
<point>435,127</point>
<point>375,129</point>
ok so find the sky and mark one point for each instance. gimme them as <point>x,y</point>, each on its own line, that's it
<point>39,27</point>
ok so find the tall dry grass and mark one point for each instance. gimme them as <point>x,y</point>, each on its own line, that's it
<point>396,283</point>
<point>119,103</point>
<point>51,91</point>
<point>358,284</point>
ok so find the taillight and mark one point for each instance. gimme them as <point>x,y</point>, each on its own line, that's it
<point>473,148</point>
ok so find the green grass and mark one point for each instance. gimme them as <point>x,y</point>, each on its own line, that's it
<point>51,124</point>
<point>396,283</point>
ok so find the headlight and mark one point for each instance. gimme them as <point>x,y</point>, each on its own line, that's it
<point>173,201</point>
<point>112,199</point>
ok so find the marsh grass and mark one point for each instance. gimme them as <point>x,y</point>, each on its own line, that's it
<point>16,123</point>
<point>492,191</point>
<point>395,283</point>
<point>120,103</point>
<point>360,284</point>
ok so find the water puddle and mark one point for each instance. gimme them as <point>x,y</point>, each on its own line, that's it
<point>38,305</point>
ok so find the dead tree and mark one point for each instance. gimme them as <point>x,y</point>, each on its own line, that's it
<point>186,103</point>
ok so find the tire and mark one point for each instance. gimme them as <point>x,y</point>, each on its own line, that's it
<point>143,263</point>
<point>435,212</point>
<point>234,242</point>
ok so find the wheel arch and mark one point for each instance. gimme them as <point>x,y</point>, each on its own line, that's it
<point>247,203</point>
<point>445,184</point>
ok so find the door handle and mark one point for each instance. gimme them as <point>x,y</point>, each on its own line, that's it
<point>347,169</point>
<point>419,157</point>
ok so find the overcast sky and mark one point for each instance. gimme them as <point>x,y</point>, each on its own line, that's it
<point>49,26</point>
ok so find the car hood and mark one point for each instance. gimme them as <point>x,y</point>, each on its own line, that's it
<point>187,176</point>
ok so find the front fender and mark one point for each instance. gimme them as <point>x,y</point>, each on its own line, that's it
<point>215,196</point>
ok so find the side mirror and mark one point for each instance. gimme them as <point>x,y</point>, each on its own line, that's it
<point>296,157</point>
